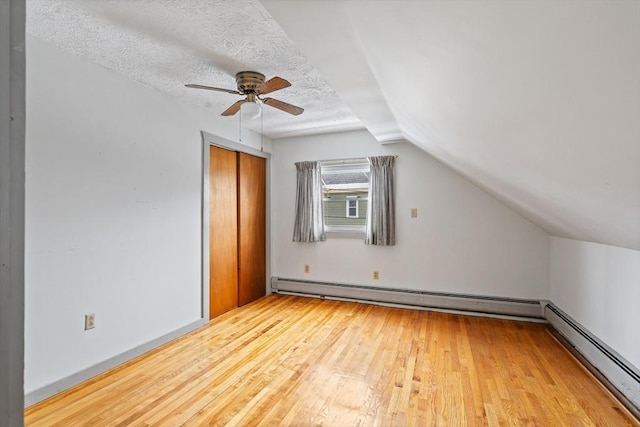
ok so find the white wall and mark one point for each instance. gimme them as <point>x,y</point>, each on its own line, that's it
<point>463,241</point>
<point>113,212</point>
<point>599,286</point>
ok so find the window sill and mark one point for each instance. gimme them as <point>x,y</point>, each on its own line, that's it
<point>344,234</point>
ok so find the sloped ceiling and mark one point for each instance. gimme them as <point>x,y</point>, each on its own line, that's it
<point>538,102</point>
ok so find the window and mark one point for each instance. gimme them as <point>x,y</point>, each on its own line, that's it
<point>345,190</point>
<point>352,207</point>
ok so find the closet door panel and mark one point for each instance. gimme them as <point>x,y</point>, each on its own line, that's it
<point>251,228</point>
<point>223,236</point>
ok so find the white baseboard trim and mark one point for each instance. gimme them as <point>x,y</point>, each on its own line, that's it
<point>520,308</point>
<point>619,372</point>
<point>49,390</point>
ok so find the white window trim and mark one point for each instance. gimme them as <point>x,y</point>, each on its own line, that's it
<point>348,208</point>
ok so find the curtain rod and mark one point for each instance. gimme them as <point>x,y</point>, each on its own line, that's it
<point>347,160</point>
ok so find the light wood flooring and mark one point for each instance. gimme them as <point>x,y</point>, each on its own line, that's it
<point>286,360</point>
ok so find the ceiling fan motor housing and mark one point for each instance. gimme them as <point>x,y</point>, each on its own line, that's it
<point>248,81</point>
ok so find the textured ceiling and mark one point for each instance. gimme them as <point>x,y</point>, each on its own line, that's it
<point>536,102</point>
<point>167,43</point>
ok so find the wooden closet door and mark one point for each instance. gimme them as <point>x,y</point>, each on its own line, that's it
<point>223,235</point>
<point>251,228</point>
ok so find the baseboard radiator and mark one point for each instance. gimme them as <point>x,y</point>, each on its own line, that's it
<point>619,372</point>
<point>412,298</point>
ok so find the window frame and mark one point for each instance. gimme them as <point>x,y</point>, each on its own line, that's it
<point>348,201</point>
<point>337,166</point>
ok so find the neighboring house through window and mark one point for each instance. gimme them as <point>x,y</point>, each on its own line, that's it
<point>345,188</point>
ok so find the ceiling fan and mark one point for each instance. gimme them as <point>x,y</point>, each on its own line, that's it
<point>251,84</point>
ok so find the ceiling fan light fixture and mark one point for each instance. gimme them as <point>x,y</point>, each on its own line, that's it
<point>251,110</point>
<point>252,84</point>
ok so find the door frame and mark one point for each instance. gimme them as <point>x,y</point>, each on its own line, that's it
<point>208,140</point>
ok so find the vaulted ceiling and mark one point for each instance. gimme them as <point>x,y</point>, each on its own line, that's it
<point>537,102</point>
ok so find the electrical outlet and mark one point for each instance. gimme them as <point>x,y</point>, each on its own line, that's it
<point>414,212</point>
<point>307,268</point>
<point>89,321</point>
<point>376,275</point>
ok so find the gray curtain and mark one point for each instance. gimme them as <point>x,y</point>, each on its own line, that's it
<point>309,225</point>
<point>381,214</point>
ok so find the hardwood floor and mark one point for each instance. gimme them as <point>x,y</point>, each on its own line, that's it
<point>286,360</point>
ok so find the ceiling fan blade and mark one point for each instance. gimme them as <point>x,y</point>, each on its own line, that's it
<point>234,108</point>
<point>271,85</point>
<point>281,105</point>
<point>218,89</point>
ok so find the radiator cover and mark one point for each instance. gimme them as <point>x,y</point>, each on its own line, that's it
<point>619,372</point>
<point>413,298</point>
